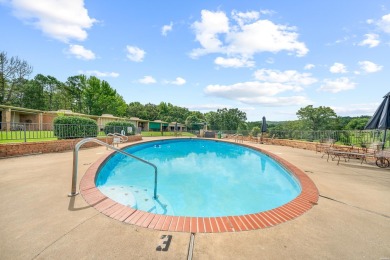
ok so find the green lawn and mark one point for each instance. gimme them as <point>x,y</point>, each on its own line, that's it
<point>39,136</point>
<point>31,136</point>
<point>146,134</point>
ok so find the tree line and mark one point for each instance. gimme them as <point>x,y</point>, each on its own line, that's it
<point>92,96</point>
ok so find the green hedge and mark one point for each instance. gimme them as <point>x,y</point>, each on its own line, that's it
<point>118,126</point>
<point>71,127</point>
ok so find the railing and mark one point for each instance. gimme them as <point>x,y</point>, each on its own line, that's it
<point>25,132</point>
<point>75,163</point>
<point>347,137</point>
<point>117,138</point>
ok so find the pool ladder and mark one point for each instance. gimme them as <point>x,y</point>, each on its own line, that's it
<point>117,138</point>
<point>76,157</point>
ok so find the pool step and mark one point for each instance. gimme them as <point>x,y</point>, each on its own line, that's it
<point>138,198</point>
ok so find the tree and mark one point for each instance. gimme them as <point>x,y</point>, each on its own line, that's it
<point>163,111</point>
<point>233,118</point>
<point>151,112</point>
<point>13,74</point>
<point>51,87</point>
<point>99,98</point>
<point>357,123</point>
<point>193,122</point>
<point>213,120</point>
<point>180,114</point>
<point>321,118</point>
<point>33,97</point>
<point>136,109</point>
<point>226,119</point>
<point>74,89</point>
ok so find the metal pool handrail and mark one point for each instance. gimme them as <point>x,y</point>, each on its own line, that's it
<point>75,163</point>
<point>122,137</point>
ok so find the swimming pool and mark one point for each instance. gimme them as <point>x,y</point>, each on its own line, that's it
<point>124,211</point>
<point>197,178</point>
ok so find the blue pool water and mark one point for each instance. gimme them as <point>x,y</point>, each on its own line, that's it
<point>197,178</point>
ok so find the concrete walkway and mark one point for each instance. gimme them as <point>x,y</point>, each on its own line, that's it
<point>39,221</point>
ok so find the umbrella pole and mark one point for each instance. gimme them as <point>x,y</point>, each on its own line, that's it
<point>384,140</point>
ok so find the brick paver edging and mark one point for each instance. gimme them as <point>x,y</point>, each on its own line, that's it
<point>293,209</point>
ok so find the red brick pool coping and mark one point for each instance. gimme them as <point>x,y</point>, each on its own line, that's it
<point>293,209</point>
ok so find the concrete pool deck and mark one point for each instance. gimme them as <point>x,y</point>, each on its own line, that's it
<point>39,221</point>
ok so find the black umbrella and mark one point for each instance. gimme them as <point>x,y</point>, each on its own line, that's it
<point>263,128</point>
<point>264,125</point>
<point>381,117</point>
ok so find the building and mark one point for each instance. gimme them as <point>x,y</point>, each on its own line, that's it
<point>16,118</point>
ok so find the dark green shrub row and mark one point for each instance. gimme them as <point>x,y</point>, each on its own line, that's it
<point>69,127</point>
<point>118,126</point>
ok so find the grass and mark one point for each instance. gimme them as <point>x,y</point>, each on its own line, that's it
<point>41,136</point>
<point>29,136</point>
<point>148,134</point>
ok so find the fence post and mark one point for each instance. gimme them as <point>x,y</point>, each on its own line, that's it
<point>25,133</point>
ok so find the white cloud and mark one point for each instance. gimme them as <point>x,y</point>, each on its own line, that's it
<point>342,40</point>
<point>254,92</point>
<point>309,66</point>
<point>147,80</point>
<point>81,53</point>
<point>337,85</point>
<point>63,20</point>
<point>249,89</point>
<point>207,31</point>
<point>245,18</point>
<point>356,109</point>
<point>369,67</point>
<point>268,90</point>
<point>384,23</point>
<point>278,101</point>
<point>372,40</point>
<point>338,68</point>
<point>234,62</point>
<point>267,12</point>
<point>207,107</point>
<point>243,36</point>
<point>99,73</point>
<point>264,36</point>
<point>291,77</point>
<point>166,28</point>
<point>135,54</point>
<point>178,81</point>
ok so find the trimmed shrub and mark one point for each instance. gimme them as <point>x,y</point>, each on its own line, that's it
<point>118,126</point>
<point>71,127</point>
<point>256,130</point>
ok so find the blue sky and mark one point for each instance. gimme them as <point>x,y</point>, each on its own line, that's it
<point>267,58</point>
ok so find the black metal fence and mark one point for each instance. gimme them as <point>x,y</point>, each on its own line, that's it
<point>346,137</point>
<point>24,132</point>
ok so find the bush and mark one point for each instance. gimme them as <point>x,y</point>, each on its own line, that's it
<point>118,126</point>
<point>71,127</point>
<point>255,131</point>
